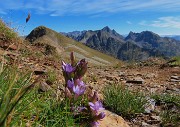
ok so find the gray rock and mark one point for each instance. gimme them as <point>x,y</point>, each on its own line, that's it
<point>43,86</point>
<point>156,118</point>
<point>144,124</point>
<point>175,77</point>
<point>136,80</point>
<point>150,105</point>
<point>175,80</point>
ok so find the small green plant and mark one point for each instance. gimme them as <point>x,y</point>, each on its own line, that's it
<point>51,77</point>
<point>12,88</point>
<point>176,61</point>
<point>170,118</point>
<point>25,52</point>
<point>171,108</point>
<point>52,112</point>
<point>123,101</point>
<point>167,98</point>
<point>6,32</point>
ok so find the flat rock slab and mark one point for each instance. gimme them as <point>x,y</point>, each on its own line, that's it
<point>113,120</point>
<point>137,80</point>
<point>175,79</point>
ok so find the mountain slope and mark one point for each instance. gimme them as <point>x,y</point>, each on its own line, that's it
<point>105,40</point>
<point>151,41</point>
<point>65,45</point>
<point>136,46</point>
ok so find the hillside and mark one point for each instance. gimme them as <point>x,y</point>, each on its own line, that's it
<point>136,46</point>
<point>66,45</point>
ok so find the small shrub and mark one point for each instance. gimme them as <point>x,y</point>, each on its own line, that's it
<point>49,49</point>
<point>122,101</point>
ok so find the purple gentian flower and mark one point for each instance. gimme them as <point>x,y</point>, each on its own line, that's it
<point>70,84</point>
<point>96,106</point>
<point>81,68</point>
<point>101,115</point>
<point>95,97</point>
<point>95,124</point>
<point>79,90</point>
<point>79,82</point>
<point>67,67</point>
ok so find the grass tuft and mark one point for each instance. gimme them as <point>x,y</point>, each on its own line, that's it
<point>123,101</point>
<point>170,104</point>
<point>13,86</point>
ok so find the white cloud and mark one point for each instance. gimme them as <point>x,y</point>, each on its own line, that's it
<point>89,7</point>
<point>163,22</point>
<point>143,23</point>
<point>2,12</point>
<point>167,22</point>
<point>129,22</point>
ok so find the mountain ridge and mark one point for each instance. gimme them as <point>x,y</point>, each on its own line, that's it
<point>147,42</point>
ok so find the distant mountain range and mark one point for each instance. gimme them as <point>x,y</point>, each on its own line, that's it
<point>176,37</point>
<point>136,46</point>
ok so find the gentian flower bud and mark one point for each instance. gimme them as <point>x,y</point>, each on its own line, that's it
<point>72,58</point>
<point>96,106</point>
<point>79,82</point>
<point>79,90</point>
<point>68,93</point>
<point>81,68</point>
<point>100,116</point>
<point>95,97</point>
<point>70,84</point>
<point>67,67</point>
<point>95,124</point>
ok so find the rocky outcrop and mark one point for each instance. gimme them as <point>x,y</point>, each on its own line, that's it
<point>113,120</point>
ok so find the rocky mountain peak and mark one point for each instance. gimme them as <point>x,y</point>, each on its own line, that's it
<point>36,33</point>
<point>107,29</point>
<point>131,36</point>
<point>148,36</point>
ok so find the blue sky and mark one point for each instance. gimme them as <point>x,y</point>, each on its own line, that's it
<point>159,16</point>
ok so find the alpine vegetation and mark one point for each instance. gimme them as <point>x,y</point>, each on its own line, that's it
<point>84,102</point>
